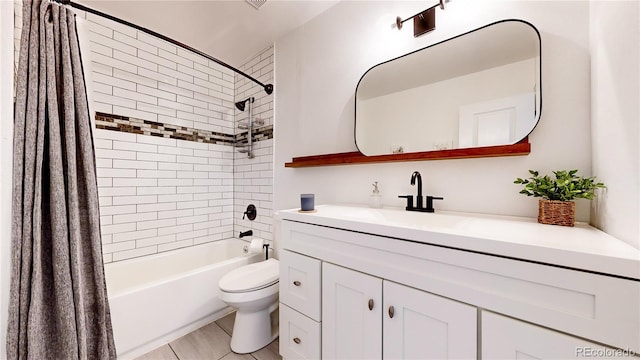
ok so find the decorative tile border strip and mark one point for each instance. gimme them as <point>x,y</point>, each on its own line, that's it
<point>259,134</point>
<point>153,128</point>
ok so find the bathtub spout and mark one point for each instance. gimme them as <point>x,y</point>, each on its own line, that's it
<point>246,233</point>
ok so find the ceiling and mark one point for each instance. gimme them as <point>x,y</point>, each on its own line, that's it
<point>229,30</point>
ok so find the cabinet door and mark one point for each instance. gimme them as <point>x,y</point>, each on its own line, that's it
<point>420,325</point>
<point>507,338</point>
<point>351,314</point>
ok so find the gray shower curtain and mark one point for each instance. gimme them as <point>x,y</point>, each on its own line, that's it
<point>58,305</point>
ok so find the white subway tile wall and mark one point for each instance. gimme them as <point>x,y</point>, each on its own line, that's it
<point>139,76</point>
<point>177,193</point>
<point>253,178</point>
<point>158,194</point>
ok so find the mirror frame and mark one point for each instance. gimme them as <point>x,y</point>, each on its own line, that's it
<point>523,147</point>
<point>538,95</point>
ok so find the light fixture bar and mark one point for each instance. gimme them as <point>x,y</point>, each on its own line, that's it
<point>423,22</point>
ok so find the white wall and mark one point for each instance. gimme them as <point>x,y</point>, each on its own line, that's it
<point>615,83</point>
<point>317,70</point>
<point>6,159</point>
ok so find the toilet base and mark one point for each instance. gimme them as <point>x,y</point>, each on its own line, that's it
<point>253,330</point>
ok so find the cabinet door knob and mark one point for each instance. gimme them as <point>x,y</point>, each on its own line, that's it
<point>297,283</point>
<point>296,340</point>
<point>370,304</point>
<point>391,311</point>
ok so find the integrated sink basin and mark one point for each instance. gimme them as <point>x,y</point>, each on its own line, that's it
<point>393,217</point>
<point>441,221</point>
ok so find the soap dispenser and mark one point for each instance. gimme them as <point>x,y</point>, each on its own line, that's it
<point>375,200</point>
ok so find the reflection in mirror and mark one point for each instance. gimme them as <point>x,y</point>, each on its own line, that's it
<point>478,89</point>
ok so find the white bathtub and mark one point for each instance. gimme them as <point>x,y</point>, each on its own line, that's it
<point>156,299</point>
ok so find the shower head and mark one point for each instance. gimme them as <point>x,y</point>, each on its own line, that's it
<point>241,104</point>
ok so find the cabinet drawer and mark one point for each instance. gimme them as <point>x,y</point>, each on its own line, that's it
<point>299,335</point>
<point>300,283</point>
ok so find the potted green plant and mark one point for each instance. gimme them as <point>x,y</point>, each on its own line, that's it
<point>557,206</point>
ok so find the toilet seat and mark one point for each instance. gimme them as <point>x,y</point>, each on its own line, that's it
<point>251,277</point>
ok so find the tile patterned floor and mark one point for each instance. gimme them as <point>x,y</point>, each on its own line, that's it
<point>210,342</point>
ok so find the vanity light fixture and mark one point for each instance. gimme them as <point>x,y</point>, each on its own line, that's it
<point>423,22</point>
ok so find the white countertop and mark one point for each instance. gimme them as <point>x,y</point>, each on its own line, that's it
<point>580,247</point>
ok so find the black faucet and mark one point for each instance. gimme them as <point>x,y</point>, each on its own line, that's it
<point>246,233</point>
<point>419,207</point>
<point>414,176</point>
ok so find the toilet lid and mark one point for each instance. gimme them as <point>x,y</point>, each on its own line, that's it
<point>251,277</point>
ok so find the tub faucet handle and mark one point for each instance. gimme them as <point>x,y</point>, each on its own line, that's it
<point>250,213</point>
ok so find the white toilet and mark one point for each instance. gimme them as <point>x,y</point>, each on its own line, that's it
<point>253,290</point>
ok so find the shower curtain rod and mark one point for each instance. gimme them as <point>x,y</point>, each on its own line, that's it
<point>268,88</point>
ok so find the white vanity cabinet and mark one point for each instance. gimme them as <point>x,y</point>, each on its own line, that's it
<point>448,301</point>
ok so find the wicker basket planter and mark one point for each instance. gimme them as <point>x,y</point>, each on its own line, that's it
<point>556,212</point>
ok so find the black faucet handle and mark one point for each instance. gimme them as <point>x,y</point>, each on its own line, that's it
<point>251,212</point>
<point>430,199</point>
<point>409,201</point>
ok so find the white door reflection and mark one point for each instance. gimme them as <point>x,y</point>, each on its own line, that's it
<point>496,122</point>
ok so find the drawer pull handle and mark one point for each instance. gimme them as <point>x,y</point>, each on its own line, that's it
<point>391,311</point>
<point>296,340</point>
<point>370,304</point>
<point>297,283</point>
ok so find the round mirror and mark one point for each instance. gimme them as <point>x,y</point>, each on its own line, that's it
<point>481,88</point>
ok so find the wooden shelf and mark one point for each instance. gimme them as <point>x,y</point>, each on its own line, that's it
<point>355,157</point>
